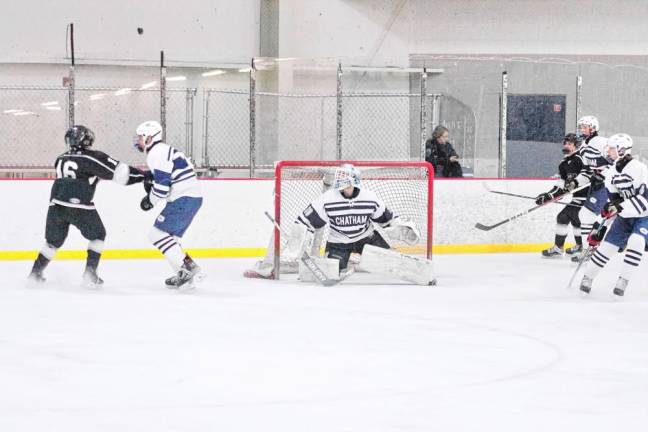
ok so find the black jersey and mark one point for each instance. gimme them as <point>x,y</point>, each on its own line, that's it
<point>569,169</point>
<point>79,171</point>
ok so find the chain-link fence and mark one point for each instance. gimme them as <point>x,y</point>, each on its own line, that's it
<point>504,115</point>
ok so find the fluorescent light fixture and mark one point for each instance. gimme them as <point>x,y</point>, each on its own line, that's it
<point>123,91</point>
<point>177,78</point>
<point>214,72</point>
<point>12,111</point>
<point>53,108</point>
<point>98,96</point>
<point>148,85</point>
<point>46,104</point>
<point>22,113</point>
<point>245,70</point>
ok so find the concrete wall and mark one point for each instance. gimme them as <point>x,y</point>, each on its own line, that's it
<point>232,223</point>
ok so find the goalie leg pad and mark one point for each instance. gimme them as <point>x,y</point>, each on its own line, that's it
<point>299,241</point>
<point>330,267</point>
<point>388,262</point>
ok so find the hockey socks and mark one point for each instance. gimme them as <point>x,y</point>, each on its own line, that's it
<point>168,245</point>
<point>44,257</point>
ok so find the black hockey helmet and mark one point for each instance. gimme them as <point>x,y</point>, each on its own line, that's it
<point>79,137</point>
<point>572,138</point>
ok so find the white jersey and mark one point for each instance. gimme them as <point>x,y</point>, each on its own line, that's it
<point>173,174</point>
<point>349,219</point>
<point>631,185</point>
<point>593,154</point>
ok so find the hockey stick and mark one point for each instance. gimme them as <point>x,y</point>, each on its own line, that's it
<point>525,212</point>
<point>523,196</point>
<point>309,262</point>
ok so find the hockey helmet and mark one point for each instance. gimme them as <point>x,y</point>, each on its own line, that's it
<point>622,143</point>
<point>79,137</point>
<point>148,133</point>
<point>589,121</point>
<point>572,138</point>
<point>346,175</point>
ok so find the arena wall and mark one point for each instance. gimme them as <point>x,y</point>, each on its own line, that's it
<point>232,224</point>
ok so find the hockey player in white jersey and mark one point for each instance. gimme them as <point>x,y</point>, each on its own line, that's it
<point>174,182</point>
<point>627,183</point>
<point>593,152</point>
<point>351,212</point>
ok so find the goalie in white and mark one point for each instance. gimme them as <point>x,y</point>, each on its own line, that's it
<point>351,212</point>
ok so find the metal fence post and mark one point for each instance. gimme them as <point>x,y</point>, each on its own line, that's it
<point>579,98</point>
<point>502,143</point>
<point>338,112</point>
<point>423,113</point>
<point>190,93</point>
<point>163,107</point>
<point>205,155</point>
<point>252,119</point>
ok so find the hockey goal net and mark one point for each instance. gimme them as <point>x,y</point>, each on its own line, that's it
<point>405,187</point>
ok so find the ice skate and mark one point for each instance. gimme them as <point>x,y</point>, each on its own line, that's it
<point>619,288</point>
<point>586,285</point>
<point>35,278</point>
<point>91,279</point>
<point>553,252</point>
<point>574,250</point>
<point>577,258</point>
<point>184,279</point>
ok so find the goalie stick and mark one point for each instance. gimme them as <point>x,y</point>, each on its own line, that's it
<point>310,263</point>
<point>523,196</point>
<point>525,212</point>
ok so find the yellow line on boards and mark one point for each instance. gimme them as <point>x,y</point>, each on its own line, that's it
<point>258,252</point>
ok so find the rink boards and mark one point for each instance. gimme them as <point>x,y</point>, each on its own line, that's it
<point>232,224</point>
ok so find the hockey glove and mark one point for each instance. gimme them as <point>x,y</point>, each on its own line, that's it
<point>611,208</point>
<point>596,235</point>
<point>571,185</point>
<point>597,178</point>
<point>146,203</point>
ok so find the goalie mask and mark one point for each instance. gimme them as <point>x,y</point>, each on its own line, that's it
<point>346,175</point>
<point>148,133</point>
<point>79,137</point>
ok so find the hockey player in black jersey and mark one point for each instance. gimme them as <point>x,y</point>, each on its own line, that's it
<point>569,169</point>
<point>78,171</point>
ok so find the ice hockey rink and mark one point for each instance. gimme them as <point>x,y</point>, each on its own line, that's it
<point>500,344</point>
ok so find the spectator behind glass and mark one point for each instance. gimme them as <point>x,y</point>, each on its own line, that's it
<point>440,153</point>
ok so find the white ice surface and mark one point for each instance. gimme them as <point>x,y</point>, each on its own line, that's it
<point>499,345</point>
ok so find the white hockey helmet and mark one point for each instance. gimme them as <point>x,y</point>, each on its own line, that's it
<point>589,121</point>
<point>346,175</point>
<point>148,133</point>
<point>622,143</point>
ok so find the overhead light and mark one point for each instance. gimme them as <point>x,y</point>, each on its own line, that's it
<point>214,72</point>
<point>46,104</point>
<point>53,108</point>
<point>123,91</point>
<point>22,113</point>
<point>177,78</point>
<point>245,70</point>
<point>12,111</point>
<point>98,96</point>
<point>148,85</point>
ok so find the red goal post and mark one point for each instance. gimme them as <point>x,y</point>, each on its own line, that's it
<point>406,187</point>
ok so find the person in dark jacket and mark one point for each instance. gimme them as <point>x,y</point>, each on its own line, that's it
<point>440,153</point>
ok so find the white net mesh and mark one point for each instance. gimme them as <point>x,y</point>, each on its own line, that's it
<point>405,187</point>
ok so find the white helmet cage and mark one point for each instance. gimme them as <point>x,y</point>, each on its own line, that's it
<point>150,129</point>
<point>622,143</point>
<point>346,175</point>
<point>590,121</point>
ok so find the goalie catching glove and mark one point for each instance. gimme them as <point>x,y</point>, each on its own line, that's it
<point>403,229</point>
